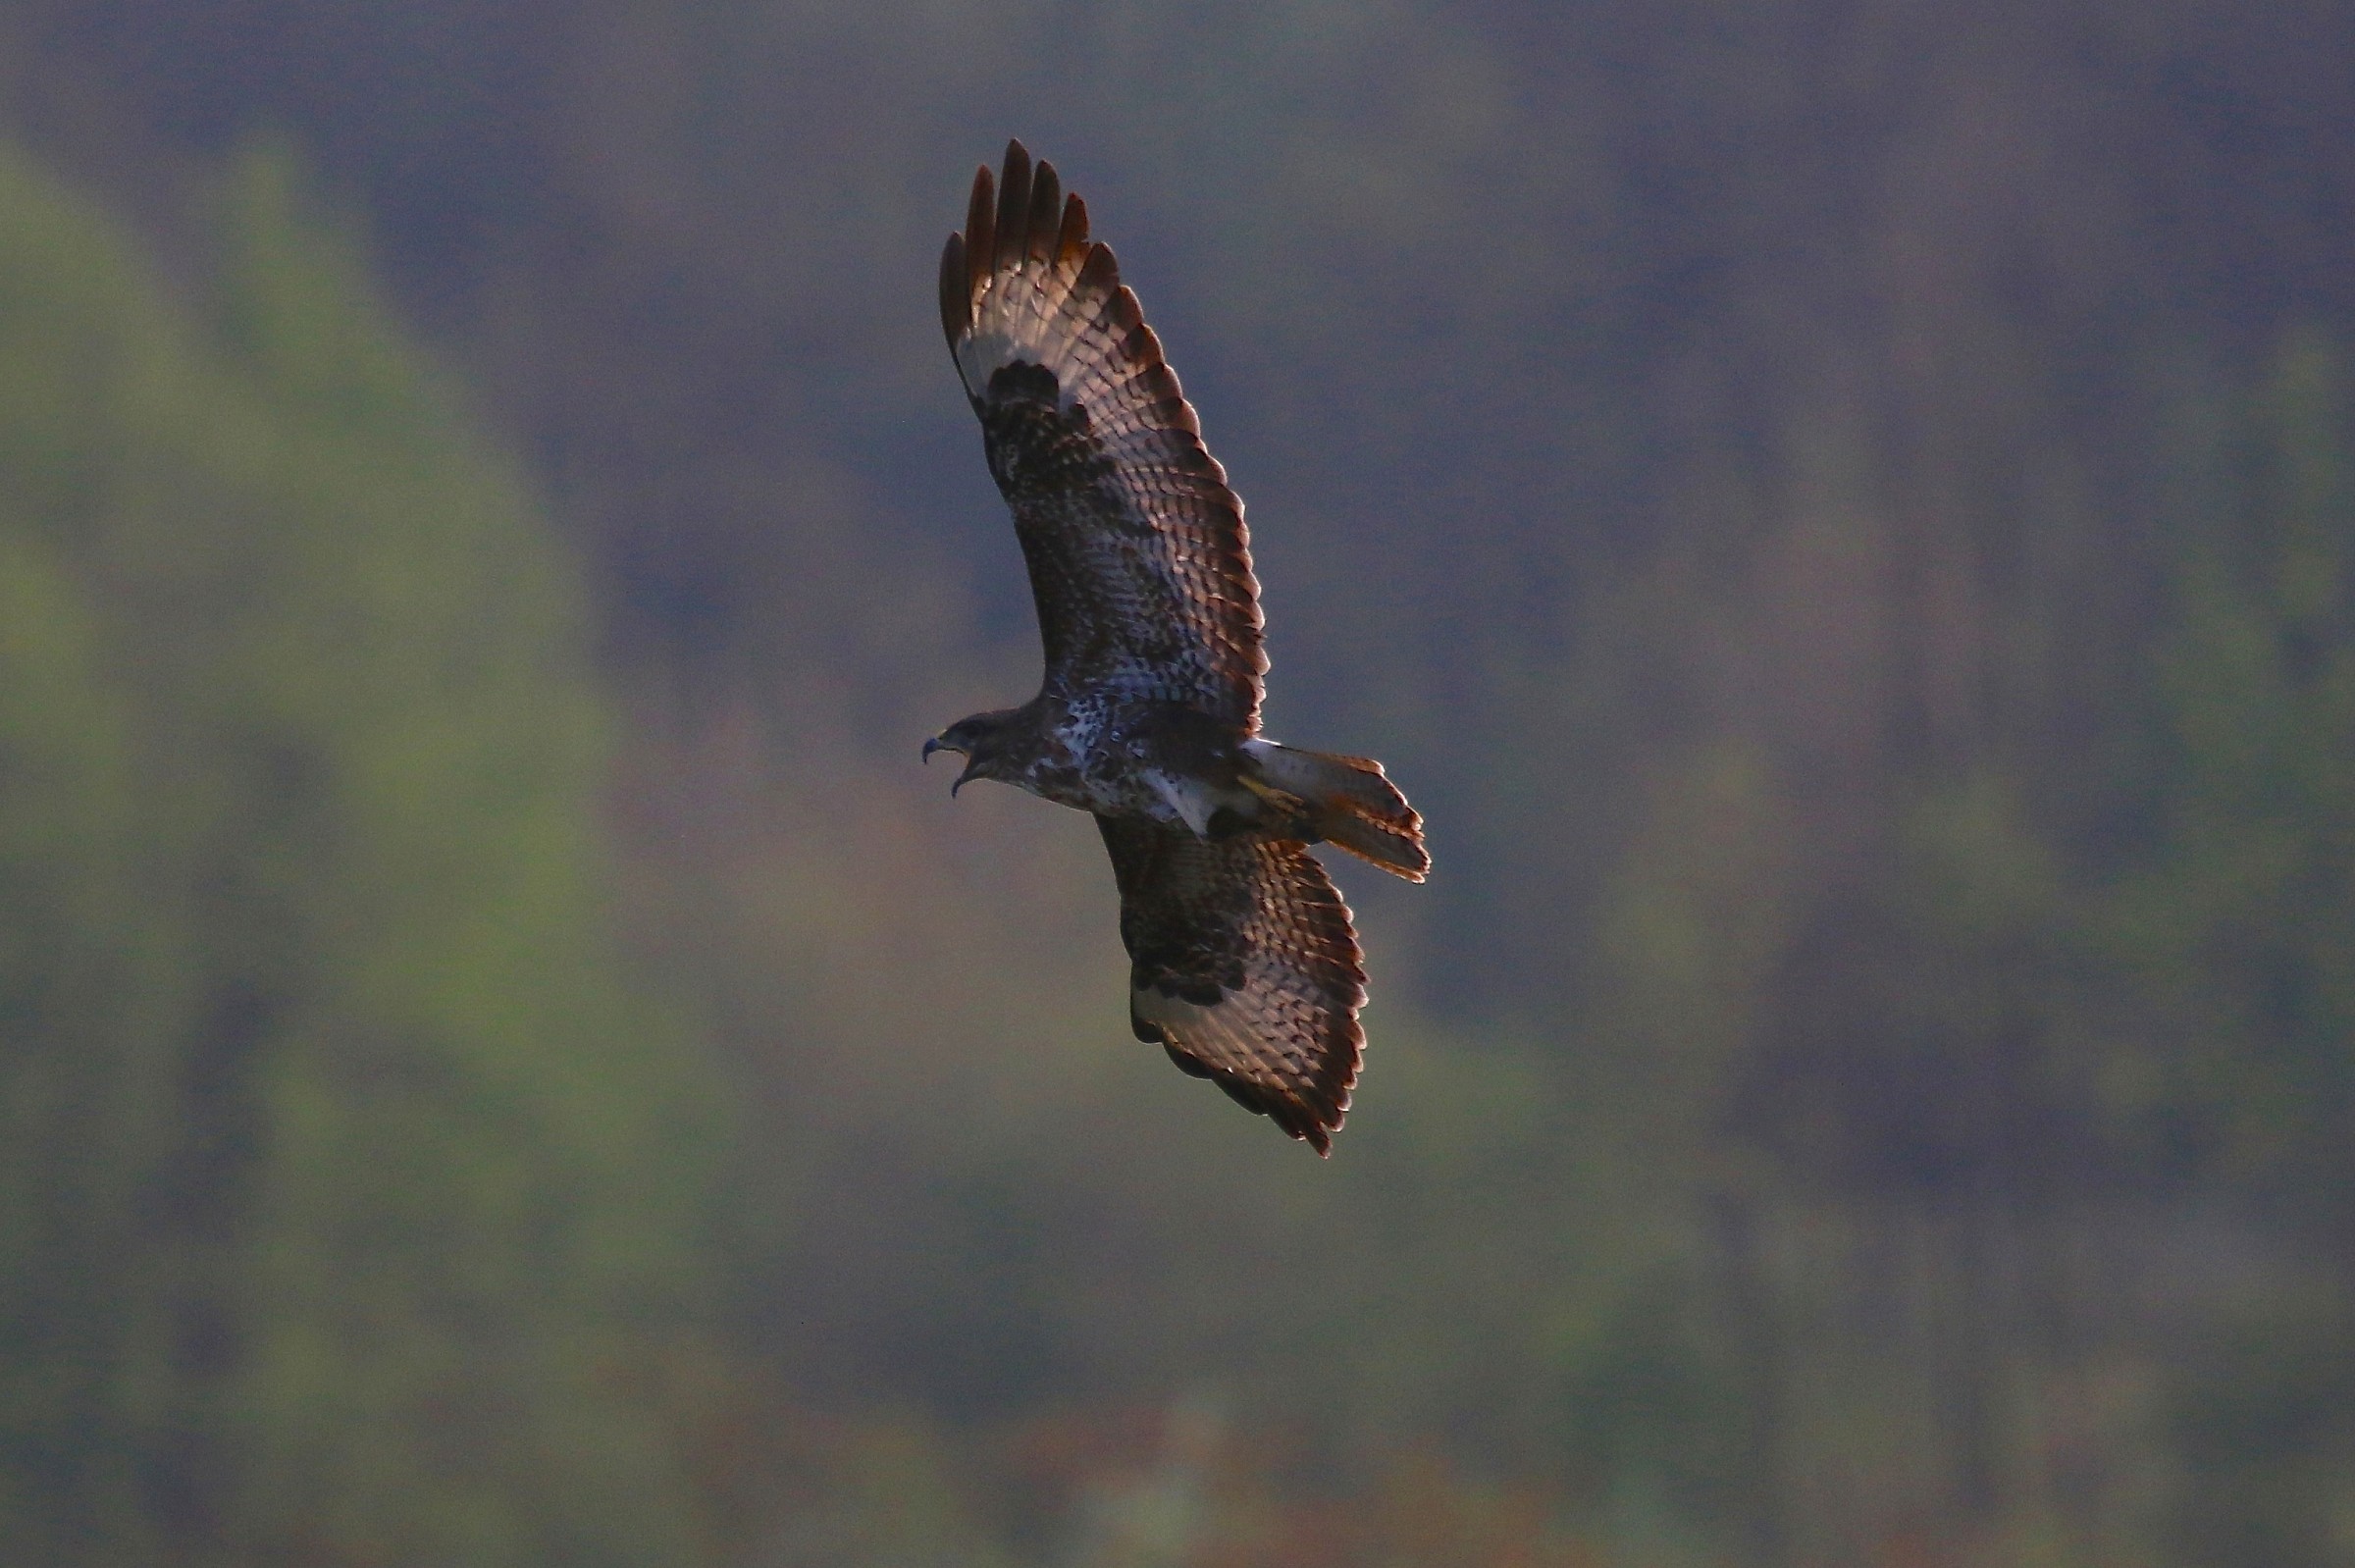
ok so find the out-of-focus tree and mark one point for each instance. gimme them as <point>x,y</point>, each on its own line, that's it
<point>2247,923</point>
<point>2241,931</point>
<point>351,1205</point>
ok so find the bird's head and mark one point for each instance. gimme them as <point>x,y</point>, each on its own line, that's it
<point>980,740</point>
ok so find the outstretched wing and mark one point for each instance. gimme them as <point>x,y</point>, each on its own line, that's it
<point>1244,967</point>
<point>1139,558</point>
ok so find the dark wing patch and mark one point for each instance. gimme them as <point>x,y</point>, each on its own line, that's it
<point>1139,556</point>
<point>1244,967</point>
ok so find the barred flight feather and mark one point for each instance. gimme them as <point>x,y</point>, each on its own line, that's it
<point>1245,967</point>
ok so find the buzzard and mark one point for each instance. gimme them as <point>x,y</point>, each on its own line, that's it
<point>1243,963</point>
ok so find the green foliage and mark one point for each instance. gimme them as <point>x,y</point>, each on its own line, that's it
<point>2242,927</point>
<point>2261,1417</point>
<point>353,1205</point>
<point>2247,920</point>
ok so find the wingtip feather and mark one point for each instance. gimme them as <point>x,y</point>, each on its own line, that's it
<point>955,289</point>
<point>1044,230</point>
<point>1071,246</point>
<point>1013,208</point>
<point>980,227</point>
<point>1100,272</point>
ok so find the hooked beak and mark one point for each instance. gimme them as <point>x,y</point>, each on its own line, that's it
<point>936,744</point>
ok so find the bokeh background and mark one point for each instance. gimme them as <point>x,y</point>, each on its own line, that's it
<point>1842,512</point>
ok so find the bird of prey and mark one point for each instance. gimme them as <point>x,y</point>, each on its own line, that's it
<point>1244,966</point>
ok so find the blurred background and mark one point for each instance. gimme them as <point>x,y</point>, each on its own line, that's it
<point>1842,512</point>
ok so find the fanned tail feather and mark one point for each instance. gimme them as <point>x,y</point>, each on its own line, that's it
<point>1397,851</point>
<point>1350,803</point>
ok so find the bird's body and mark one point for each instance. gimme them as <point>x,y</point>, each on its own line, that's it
<point>1244,964</point>
<point>1150,759</point>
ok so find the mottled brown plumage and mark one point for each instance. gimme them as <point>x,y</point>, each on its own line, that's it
<point>1244,966</point>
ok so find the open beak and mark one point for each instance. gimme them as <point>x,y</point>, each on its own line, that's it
<point>936,744</point>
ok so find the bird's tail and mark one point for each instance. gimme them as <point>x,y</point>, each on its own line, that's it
<point>1350,801</point>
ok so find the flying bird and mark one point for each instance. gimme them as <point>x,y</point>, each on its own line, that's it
<point>1244,966</point>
